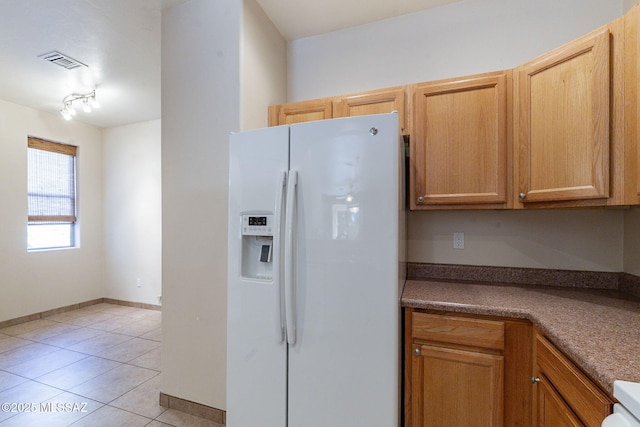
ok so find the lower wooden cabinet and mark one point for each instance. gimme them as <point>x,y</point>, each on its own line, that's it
<point>466,370</point>
<point>552,410</point>
<point>565,395</point>
<point>457,387</point>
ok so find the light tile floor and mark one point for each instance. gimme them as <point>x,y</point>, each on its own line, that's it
<point>98,366</point>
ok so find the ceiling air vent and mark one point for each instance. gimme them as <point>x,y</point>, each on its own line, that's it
<point>62,60</point>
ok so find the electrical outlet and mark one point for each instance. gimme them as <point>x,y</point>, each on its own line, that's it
<point>458,240</point>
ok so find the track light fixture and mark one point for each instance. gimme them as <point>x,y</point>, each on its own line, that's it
<point>88,100</point>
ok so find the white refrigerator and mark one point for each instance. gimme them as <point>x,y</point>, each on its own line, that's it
<point>316,268</point>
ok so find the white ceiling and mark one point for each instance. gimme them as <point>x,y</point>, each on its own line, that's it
<point>119,40</point>
<point>303,18</point>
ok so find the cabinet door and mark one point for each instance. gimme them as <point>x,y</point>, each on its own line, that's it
<point>564,121</point>
<point>459,142</point>
<point>552,410</point>
<point>376,102</point>
<point>298,112</point>
<point>585,399</point>
<point>632,96</point>
<point>456,388</point>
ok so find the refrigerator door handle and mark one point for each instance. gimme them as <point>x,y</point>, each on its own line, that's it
<point>289,285</point>
<point>280,198</point>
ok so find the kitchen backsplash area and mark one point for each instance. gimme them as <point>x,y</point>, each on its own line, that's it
<point>623,282</point>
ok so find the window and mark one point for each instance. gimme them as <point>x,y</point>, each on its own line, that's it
<point>51,194</point>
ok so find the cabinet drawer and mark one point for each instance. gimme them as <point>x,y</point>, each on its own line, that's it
<point>459,330</point>
<point>581,394</point>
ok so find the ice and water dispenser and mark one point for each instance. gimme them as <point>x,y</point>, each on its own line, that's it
<point>257,246</point>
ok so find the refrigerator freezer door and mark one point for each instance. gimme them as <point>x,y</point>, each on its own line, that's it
<point>256,353</point>
<point>344,366</point>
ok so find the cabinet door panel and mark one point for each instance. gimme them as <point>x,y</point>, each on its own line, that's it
<point>587,400</point>
<point>552,410</point>
<point>454,387</point>
<point>376,102</point>
<point>632,98</point>
<point>564,122</point>
<point>459,141</point>
<point>298,112</point>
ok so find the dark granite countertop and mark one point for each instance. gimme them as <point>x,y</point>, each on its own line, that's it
<point>598,328</point>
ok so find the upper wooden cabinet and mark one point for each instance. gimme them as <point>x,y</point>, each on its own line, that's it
<point>376,102</point>
<point>564,122</point>
<point>632,100</point>
<point>460,142</point>
<point>298,112</point>
<point>559,131</point>
<point>572,145</point>
<point>359,104</point>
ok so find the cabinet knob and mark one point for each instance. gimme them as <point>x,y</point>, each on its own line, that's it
<point>420,199</point>
<point>416,352</point>
<point>522,196</point>
<point>535,380</point>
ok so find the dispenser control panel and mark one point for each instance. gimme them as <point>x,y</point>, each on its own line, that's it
<point>257,225</point>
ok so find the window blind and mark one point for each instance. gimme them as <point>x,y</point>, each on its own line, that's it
<point>51,182</point>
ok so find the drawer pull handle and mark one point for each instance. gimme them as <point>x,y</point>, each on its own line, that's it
<point>416,352</point>
<point>535,380</point>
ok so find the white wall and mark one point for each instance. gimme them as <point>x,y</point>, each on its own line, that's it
<point>632,241</point>
<point>200,106</point>
<point>263,66</point>
<point>223,64</point>
<point>32,282</point>
<point>467,37</point>
<point>580,239</point>
<point>132,212</point>
<point>628,4</point>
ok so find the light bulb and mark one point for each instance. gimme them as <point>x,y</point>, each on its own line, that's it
<point>72,111</point>
<point>94,102</point>
<point>85,106</point>
<point>65,114</point>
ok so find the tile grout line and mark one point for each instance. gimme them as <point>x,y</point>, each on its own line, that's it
<point>59,390</point>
